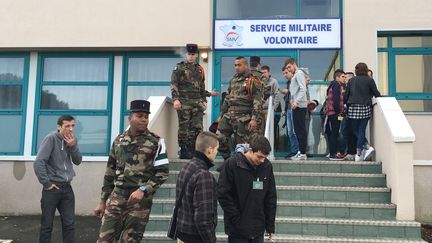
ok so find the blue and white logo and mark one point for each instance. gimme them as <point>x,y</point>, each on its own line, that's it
<point>233,34</point>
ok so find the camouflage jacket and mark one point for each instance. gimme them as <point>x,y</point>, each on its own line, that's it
<point>188,82</point>
<point>244,90</point>
<point>136,161</point>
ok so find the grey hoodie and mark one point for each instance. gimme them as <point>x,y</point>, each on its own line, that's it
<point>298,88</point>
<point>54,160</point>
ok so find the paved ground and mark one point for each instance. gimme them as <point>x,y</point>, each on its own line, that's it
<point>25,229</point>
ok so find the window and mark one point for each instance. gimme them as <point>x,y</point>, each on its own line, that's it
<point>145,75</point>
<point>404,62</point>
<point>13,94</point>
<point>81,86</point>
<point>273,9</point>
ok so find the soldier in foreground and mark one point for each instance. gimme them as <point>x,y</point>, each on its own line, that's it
<point>137,166</point>
<point>241,108</point>
<point>189,97</point>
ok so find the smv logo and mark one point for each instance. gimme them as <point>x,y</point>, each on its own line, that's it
<point>233,34</point>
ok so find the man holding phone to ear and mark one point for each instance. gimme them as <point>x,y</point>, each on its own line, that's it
<point>54,170</point>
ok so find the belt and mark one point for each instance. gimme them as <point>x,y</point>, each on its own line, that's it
<point>61,184</point>
<point>124,192</point>
<point>240,108</point>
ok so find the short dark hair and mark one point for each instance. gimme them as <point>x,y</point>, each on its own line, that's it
<point>290,61</point>
<point>206,140</point>
<point>260,143</point>
<point>283,68</point>
<point>242,58</point>
<point>361,69</point>
<point>265,67</point>
<point>338,73</point>
<point>64,118</point>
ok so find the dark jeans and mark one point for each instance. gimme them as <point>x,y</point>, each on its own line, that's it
<point>349,138</point>
<point>63,200</point>
<point>187,238</point>
<point>299,116</point>
<point>332,130</point>
<point>359,128</point>
<point>235,239</point>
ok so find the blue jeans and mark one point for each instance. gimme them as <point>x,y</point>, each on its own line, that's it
<point>359,128</point>
<point>291,133</point>
<point>63,200</point>
<point>235,239</point>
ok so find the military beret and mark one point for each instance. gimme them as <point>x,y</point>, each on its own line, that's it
<point>140,105</point>
<point>192,48</point>
<point>255,59</point>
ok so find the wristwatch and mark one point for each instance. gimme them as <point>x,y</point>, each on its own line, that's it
<point>142,188</point>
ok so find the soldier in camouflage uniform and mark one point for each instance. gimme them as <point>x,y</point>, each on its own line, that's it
<point>189,96</point>
<point>137,166</point>
<point>255,63</point>
<point>240,109</point>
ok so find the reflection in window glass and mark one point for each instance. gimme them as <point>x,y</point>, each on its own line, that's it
<point>416,105</point>
<point>10,130</point>
<point>319,8</point>
<point>413,73</point>
<point>144,92</point>
<point>11,69</point>
<point>383,73</point>
<point>76,69</point>
<point>91,132</point>
<point>10,96</point>
<point>244,9</point>
<point>74,97</point>
<point>320,63</point>
<point>412,41</point>
<point>382,42</point>
<point>151,69</point>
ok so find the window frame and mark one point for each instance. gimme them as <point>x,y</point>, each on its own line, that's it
<point>392,52</point>
<point>24,97</point>
<point>74,112</point>
<point>124,111</point>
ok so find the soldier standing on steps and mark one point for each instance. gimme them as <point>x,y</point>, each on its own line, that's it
<point>240,111</point>
<point>137,166</point>
<point>189,97</point>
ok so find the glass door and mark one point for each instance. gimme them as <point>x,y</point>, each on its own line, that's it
<point>224,71</point>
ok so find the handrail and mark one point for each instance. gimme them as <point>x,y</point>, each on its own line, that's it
<point>269,128</point>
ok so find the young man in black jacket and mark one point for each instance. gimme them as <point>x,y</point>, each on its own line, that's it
<point>247,194</point>
<point>197,214</point>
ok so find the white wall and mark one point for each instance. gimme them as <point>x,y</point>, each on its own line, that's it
<point>362,19</point>
<point>104,23</point>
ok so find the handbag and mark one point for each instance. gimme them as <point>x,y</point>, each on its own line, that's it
<point>172,227</point>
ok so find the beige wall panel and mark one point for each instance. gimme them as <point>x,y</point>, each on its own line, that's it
<point>363,18</point>
<point>104,23</point>
<point>423,193</point>
<point>421,125</point>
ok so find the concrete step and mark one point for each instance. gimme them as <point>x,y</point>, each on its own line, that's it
<point>349,228</point>
<point>285,208</point>
<point>313,193</point>
<point>318,179</point>
<point>307,166</point>
<point>160,237</point>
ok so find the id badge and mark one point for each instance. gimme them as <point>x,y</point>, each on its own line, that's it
<point>257,185</point>
<point>340,117</point>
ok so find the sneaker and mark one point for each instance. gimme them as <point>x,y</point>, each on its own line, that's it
<point>290,155</point>
<point>341,156</point>
<point>358,158</point>
<point>368,153</point>
<point>349,157</point>
<point>299,157</point>
<point>335,157</point>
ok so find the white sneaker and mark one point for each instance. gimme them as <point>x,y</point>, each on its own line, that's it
<point>358,158</point>
<point>368,153</point>
<point>299,157</point>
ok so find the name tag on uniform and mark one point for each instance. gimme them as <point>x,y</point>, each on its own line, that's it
<point>257,185</point>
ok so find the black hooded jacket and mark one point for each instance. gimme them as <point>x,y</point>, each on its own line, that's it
<point>248,212</point>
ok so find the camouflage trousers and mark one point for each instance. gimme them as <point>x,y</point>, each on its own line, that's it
<point>190,118</point>
<point>261,123</point>
<point>234,123</point>
<point>124,221</point>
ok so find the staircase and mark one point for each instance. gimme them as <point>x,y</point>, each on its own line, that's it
<point>318,201</point>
